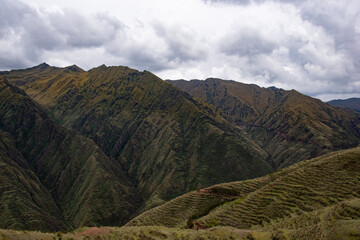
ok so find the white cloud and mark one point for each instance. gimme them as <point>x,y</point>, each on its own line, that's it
<point>308,45</point>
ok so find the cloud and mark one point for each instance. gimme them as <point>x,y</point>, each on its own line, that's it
<point>28,33</point>
<point>297,48</point>
<point>306,45</point>
<point>182,43</point>
<point>247,42</point>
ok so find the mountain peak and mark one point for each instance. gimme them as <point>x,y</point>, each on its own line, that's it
<point>42,65</point>
<point>74,68</point>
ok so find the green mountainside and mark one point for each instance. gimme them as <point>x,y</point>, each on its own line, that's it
<point>351,103</point>
<point>53,178</point>
<point>167,142</point>
<point>313,199</point>
<point>24,202</point>
<point>290,126</point>
<point>317,198</point>
<point>112,144</point>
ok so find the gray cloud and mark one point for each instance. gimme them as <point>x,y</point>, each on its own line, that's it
<point>310,46</point>
<point>181,43</point>
<point>245,2</point>
<point>156,47</point>
<point>28,33</point>
<point>246,42</point>
<point>81,31</point>
<point>241,2</point>
<point>327,55</point>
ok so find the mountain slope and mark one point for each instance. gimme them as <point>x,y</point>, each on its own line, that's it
<point>289,125</point>
<point>312,199</point>
<point>59,173</point>
<point>24,202</point>
<point>351,103</point>
<point>167,142</point>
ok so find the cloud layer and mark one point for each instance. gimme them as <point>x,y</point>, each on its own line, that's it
<point>310,46</point>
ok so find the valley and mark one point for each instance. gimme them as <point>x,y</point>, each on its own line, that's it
<point>156,159</point>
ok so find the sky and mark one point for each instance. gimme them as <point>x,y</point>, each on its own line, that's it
<point>312,46</point>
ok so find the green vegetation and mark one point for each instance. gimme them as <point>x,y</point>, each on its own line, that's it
<point>132,233</point>
<point>167,142</point>
<point>350,103</point>
<point>290,126</point>
<point>52,178</point>
<point>319,196</point>
<point>314,199</point>
<point>100,147</point>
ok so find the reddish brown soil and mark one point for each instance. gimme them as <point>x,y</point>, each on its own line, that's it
<point>95,231</point>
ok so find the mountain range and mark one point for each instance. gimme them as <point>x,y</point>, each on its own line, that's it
<point>100,147</point>
<point>288,125</point>
<point>351,103</point>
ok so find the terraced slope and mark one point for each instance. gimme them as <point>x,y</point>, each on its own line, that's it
<point>53,178</point>
<point>340,221</point>
<point>314,199</point>
<point>289,125</point>
<point>167,142</point>
<point>321,194</point>
<point>183,210</point>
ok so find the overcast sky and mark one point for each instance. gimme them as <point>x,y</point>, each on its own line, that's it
<point>311,46</point>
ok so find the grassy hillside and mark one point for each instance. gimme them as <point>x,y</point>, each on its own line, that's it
<point>289,125</point>
<point>24,202</point>
<point>150,233</point>
<point>52,177</point>
<point>319,196</point>
<point>167,142</point>
<point>314,199</point>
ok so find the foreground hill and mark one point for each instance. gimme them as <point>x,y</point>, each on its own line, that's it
<point>314,199</point>
<point>290,126</point>
<point>167,142</point>
<point>351,103</point>
<point>51,177</point>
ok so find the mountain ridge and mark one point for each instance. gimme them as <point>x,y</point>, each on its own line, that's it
<point>149,141</point>
<point>351,103</point>
<point>283,122</point>
<point>141,121</point>
<point>60,166</point>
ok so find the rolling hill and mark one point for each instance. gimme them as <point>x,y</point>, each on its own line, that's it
<point>290,126</point>
<point>313,199</point>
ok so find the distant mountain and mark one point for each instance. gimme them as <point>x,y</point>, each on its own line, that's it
<point>167,142</point>
<point>52,178</point>
<point>315,199</point>
<point>351,103</point>
<point>290,126</point>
